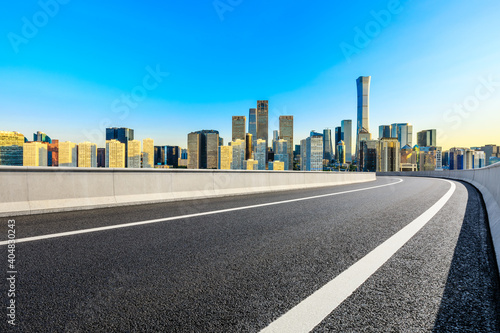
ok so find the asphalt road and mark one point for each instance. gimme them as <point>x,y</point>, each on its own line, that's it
<point>240,270</point>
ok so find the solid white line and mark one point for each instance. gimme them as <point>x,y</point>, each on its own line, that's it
<point>132,224</point>
<point>311,311</point>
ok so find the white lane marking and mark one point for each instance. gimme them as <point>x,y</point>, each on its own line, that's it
<point>132,224</point>
<point>310,312</point>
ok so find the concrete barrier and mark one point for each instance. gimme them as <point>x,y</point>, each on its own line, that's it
<point>486,180</point>
<point>34,190</point>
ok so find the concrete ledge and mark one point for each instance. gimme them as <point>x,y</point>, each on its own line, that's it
<point>35,190</point>
<point>486,180</point>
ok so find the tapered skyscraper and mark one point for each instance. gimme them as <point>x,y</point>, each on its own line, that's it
<point>262,121</point>
<point>363,85</point>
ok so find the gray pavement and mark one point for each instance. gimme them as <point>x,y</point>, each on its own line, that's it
<point>238,271</point>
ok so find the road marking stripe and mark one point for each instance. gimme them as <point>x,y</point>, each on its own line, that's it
<point>310,312</point>
<point>132,224</point>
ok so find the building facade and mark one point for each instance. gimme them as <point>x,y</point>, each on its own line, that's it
<point>346,129</point>
<point>115,154</point>
<point>148,153</point>
<point>11,148</point>
<point>68,154</point>
<point>363,115</point>
<point>239,127</point>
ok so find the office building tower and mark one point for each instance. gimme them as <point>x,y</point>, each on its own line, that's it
<point>41,137</point>
<point>115,154</point>
<point>368,156</point>
<point>492,154</point>
<point>384,131</point>
<point>148,153</point>
<point>363,90</point>
<point>238,152</point>
<point>173,153</point>
<point>87,155</point>
<point>121,134</point>
<point>249,146</point>
<point>225,157</point>
<point>314,152</point>
<point>426,138</point>
<point>303,154</point>
<point>275,139</point>
<point>53,153</point>
<point>221,141</point>
<point>404,133</point>
<point>346,133</point>
<point>212,150</point>
<point>286,133</point>
<point>239,126</point>
<point>327,145</point>
<point>281,153</point>
<point>388,155</point>
<point>250,165</point>
<point>479,159</point>
<point>262,122</point>
<point>160,155</point>
<point>341,150</point>
<point>35,154</point>
<point>276,166</point>
<point>260,154</point>
<point>430,158</point>
<point>11,148</point>
<point>101,157</point>
<point>252,125</point>
<point>363,135</point>
<point>134,154</point>
<point>194,143</point>
<point>203,149</point>
<point>338,137</point>
<point>68,154</point>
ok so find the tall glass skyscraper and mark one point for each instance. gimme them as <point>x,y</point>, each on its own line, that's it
<point>252,125</point>
<point>263,122</point>
<point>286,133</point>
<point>363,87</point>
<point>338,137</point>
<point>346,128</point>
<point>327,144</point>
<point>426,138</point>
<point>384,131</point>
<point>404,133</point>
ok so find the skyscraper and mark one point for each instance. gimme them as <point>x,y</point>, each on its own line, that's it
<point>203,149</point>
<point>384,131</point>
<point>11,148</point>
<point>194,142</point>
<point>303,154</point>
<point>115,154</point>
<point>252,125</point>
<point>363,87</point>
<point>368,156</point>
<point>173,154</point>
<point>388,155</point>
<point>341,150</point>
<point>286,133</point>
<point>260,154</point>
<point>404,133</point>
<point>281,153</point>
<point>263,121</point>
<point>101,157</point>
<point>327,145</point>
<point>314,152</point>
<point>35,154</point>
<point>346,129</point>
<point>225,157</point>
<point>134,154</point>
<point>68,154</point>
<point>238,154</point>
<point>239,125</point>
<point>87,155</point>
<point>148,153</point>
<point>426,138</point>
<point>41,137</point>
<point>121,134</point>
<point>275,139</point>
<point>338,137</point>
<point>53,153</point>
<point>249,146</point>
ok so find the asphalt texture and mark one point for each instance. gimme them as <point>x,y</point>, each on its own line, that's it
<point>239,271</point>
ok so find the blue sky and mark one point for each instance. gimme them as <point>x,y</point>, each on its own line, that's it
<point>433,64</point>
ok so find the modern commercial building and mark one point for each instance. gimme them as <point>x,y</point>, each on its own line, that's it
<point>41,137</point>
<point>11,148</point>
<point>35,154</point>
<point>404,133</point>
<point>123,135</point>
<point>53,153</point>
<point>388,155</point>
<point>250,165</point>
<point>203,149</point>
<point>327,145</point>
<point>134,154</point>
<point>303,154</point>
<point>148,153</point>
<point>238,152</point>
<point>368,156</point>
<point>173,154</point>
<point>346,130</point>
<point>87,155</point>
<point>239,127</point>
<point>260,154</point>
<point>276,165</point>
<point>249,146</point>
<point>225,157</point>
<point>263,122</point>
<point>384,131</point>
<point>363,135</point>
<point>68,154</point>
<point>430,158</point>
<point>426,138</point>
<point>115,154</point>
<point>275,139</point>
<point>252,125</point>
<point>101,157</point>
<point>286,133</point>
<point>342,153</point>
<point>281,153</point>
<point>313,152</point>
<point>492,153</point>
<point>338,137</point>
<point>363,119</point>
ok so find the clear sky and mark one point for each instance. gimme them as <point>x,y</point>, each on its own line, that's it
<point>73,69</point>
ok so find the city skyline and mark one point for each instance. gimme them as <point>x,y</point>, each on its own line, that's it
<point>58,91</point>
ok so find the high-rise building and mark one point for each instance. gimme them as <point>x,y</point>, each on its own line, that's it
<point>238,152</point>
<point>314,152</point>
<point>404,133</point>
<point>275,139</point>
<point>53,153</point>
<point>363,135</point>
<point>263,122</point>
<point>384,131</point>
<point>368,156</point>
<point>388,155</point>
<point>148,153</point>
<point>115,154</point>
<point>41,137</point>
<point>250,165</point>
<point>239,126</point>
<point>123,135</point>
<point>286,133</point>
<point>134,154</point>
<point>101,157</point>
<point>327,145</point>
<point>35,154</point>
<point>338,137</point>
<point>260,154</point>
<point>303,154</point>
<point>281,153</point>
<point>252,125</point>
<point>492,154</point>
<point>203,149</point>
<point>68,154</point>
<point>426,138</point>
<point>160,155</point>
<point>11,148</point>
<point>346,129</point>
<point>225,157</point>
<point>249,146</point>
<point>87,155</point>
<point>276,165</point>
<point>363,89</point>
<point>173,153</point>
<point>342,153</point>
